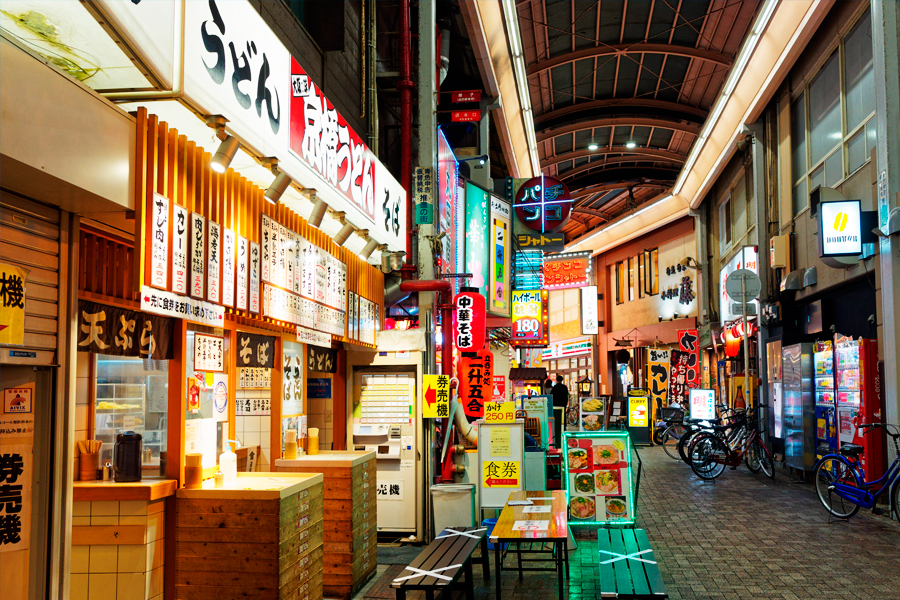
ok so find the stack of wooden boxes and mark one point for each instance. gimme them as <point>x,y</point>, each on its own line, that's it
<point>258,537</point>
<point>350,538</point>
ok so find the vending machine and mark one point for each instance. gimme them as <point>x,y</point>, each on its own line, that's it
<point>858,399</point>
<point>826,410</point>
<point>799,413</point>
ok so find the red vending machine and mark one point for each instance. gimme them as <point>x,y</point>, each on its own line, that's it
<point>858,399</point>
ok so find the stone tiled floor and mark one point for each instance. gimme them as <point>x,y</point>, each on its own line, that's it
<point>742,537</point>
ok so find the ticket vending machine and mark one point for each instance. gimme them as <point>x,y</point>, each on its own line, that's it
<point>384,421</point>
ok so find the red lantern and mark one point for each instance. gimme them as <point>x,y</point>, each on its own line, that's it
<point>468,320</point>
<point>476,381</point>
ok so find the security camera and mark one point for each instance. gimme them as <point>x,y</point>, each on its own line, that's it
<point>871,320</point>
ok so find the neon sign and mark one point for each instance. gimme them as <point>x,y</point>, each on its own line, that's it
<point>543,204</point>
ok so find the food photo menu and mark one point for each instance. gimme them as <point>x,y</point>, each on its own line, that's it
<point>598,478</point>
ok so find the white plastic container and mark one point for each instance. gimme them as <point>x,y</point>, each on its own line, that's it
<point>228,464</point>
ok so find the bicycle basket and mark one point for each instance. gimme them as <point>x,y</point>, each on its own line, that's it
<point>671,415</point>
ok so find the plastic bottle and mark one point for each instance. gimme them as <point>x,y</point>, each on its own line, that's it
<point>220,479</point>
<point>228,463</point>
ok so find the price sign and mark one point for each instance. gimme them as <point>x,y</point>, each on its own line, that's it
<point>499,412</point>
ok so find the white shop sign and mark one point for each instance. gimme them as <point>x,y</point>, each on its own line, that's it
<point>746,258</point>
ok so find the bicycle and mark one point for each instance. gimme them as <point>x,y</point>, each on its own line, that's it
<point>731,424</point>
<point>711,453</point>
<point>841,483</point>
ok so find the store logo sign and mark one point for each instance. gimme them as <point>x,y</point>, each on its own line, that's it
<point>840,228</point>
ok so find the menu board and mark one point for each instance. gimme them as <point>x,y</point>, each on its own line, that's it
<point>592,413</point>
<point>598,478</point>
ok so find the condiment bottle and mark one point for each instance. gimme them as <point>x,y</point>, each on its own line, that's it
<point>220,479</point>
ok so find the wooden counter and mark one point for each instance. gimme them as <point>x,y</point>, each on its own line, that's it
<point>146,489</point>
<point>350,516</point>
<point>257,537</point>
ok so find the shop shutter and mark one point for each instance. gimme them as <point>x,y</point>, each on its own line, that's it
<point>29,238</point>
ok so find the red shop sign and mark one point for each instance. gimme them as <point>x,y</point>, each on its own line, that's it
<point>465,96</point>
<point>468,320</point>
<point>476,381</point>
<point>689,343</point>
<point>566,270</point>
<point>462,116</point>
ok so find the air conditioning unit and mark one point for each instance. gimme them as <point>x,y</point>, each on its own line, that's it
<point>779,250</point>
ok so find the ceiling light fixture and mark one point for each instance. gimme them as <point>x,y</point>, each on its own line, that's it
<point>630,145</point>
<point>592,146</point>
<point>318,212</point>
<point>370,246</point>
<point>227,149</point>
<point>344,234</point>
<point>278,187</point>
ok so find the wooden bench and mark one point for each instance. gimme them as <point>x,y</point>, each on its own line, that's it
<point>627,566</point>
<point>441,563</point>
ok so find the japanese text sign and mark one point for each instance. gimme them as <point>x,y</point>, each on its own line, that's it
<point>678,388</point>
<point>703,404</point>
<point>500,412</point>
<point>122,332</point>
<point>638,408</point>
<point>198,255</point>
<point>543,204</point>
<point>469,321</point>
<point>209,353</point>
<point>689,343</point>
<point>501,473</point>
<point>12,304</point>
<point>476,381</point>
<point>168,304</point>
<point>658,370</point>
<point>529,318</point>
<point>563,271</point>
<point>159,249</point>
<point>15,501</point>
<point>255,350</point>
<point>436,404</point>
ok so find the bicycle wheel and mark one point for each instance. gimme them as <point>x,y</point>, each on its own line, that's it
<point>752,458</point>
<point>831,470</point>
<point>765,459</point>
<point>670,438</point>
<point>896,499</point>
<point>684,445</point>
<point>708,457</point>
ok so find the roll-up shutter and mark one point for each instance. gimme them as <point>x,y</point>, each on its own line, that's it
<point>29,238</point>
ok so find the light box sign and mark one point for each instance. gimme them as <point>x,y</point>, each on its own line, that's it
<point>529,318</point>
<point>447,190</point>
<point>703,404</point>
<point>746,258</point>
<point>543,204</point>
<point>469,321</point>
<point>840,228</point>
<point>563,271</point>
<point>498,259</point>
<point>590,324</point>
<point>598,478</point>
<point>476,235</point>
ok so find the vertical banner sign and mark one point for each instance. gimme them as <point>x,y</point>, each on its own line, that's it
<point>243,251</point>
<point>227,267</point>
<point>12,304</point>
<point>498,260</point>
<point>658,371</point>
<point>447,201</point>
<point>198,255</point>
<point>469,321</point>
<point>589,320</point>
<point>16,483</point>
<point>678,389</point>
<point>529,318</point>
<point>266,237</point>
<point>180,216</point>
<point>688,342</point>
<point>436,398</point>
<point>159,252</point>
<point>476,381</point>
<point>290,250</point>
<point>499,394</point>
<point>476,237</point>
<point>214,251</point>
<point>254,278</point>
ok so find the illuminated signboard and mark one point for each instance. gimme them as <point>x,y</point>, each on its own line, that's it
<point>475,236</point>
<point>703,404</point>
<point>448,174</point>
<point>468,321</point>
<point>498,263</point>
<point>746,258</point>
<point>543,204</point>
<point>598,478</point>
<point>840,228</point>
<point>570,270</point>
<point>529,317</point>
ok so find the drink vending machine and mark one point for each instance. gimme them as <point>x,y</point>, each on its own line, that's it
<point>826,410</point>
<point>859,399</point>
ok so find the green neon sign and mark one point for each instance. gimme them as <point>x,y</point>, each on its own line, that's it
<point>598,478</point>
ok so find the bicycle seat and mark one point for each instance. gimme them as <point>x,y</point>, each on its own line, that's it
<point>851,450</point>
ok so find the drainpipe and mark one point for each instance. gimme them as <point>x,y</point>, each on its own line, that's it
<point>405,87</point>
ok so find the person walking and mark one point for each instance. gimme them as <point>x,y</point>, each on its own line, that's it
<point>560,393</point>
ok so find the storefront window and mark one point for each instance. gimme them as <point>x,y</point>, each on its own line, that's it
<point>620,282</point>
<point>641,275</point>
<point>725,225</point>
<point>630,279</point>
<point>654,274</point>
<point>131,394</point>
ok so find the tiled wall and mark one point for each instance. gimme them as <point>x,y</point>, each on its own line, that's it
<point>123,572</point>
<point>82,384</point>
<point>255,430</point>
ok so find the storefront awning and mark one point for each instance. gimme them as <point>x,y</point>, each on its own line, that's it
<point>528,374</point>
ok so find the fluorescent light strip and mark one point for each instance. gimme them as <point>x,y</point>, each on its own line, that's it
<point>734,76</point>
<point>511,18</point>
<point>617,223</point>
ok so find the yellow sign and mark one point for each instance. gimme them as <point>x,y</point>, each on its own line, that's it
<point>500,444</point>
<point>637,411</point>
<point>436,399</point>
<point>499,412</point>
<point>501,474</point>
<point>12,305</point>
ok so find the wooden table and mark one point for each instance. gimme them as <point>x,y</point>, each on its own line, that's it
<point>556,533</point>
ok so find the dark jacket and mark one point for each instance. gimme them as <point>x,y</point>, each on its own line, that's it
<point>560,395</point>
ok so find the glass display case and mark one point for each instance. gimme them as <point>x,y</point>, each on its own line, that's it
<point>131,394</point>
<point>826,411</point>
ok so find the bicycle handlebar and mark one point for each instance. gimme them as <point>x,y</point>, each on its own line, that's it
<point>884,425</point>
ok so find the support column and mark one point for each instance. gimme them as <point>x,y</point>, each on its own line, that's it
<point>887,115</point>
<point>762,239</point>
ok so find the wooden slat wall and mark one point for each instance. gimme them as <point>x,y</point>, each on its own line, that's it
<point>169,164</point>
<point>105,265</point>
<point>29,238</point>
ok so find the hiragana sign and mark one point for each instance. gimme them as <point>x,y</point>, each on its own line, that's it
<point>469,320</point>
<point>436,398</point>
<point>689,343</point>
<point>678,388</point>
<point>118,331</point>
<point>658,372</point>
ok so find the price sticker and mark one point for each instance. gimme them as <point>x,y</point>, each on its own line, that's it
<point>499,412</point>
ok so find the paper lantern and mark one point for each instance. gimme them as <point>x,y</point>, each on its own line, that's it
<point>469,320</point>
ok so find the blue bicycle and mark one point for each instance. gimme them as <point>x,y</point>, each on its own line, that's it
<point>841,484</point>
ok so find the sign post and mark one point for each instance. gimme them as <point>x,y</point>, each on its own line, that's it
<point>744,286</point>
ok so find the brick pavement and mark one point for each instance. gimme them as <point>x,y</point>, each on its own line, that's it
<point>742,537</point>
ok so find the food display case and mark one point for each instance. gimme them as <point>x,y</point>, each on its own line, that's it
<point>826,412</point>
<point>859,399</point>
<point>599,482</point>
